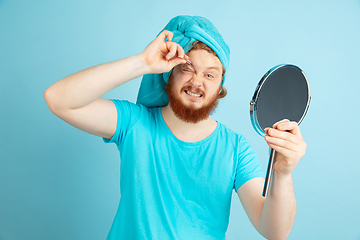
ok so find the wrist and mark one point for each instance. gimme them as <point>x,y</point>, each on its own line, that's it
<point>131,67</point>
<point>282,179</point>
<point>142,65</point>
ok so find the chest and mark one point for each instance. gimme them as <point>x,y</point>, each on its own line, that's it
<point>166,166</point>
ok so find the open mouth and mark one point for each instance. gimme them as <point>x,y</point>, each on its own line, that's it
<point>193,94</point>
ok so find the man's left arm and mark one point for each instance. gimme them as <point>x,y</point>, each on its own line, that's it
<point>274,215</point>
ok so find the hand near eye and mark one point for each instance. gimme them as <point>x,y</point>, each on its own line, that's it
<point>161,56</point>
<point>286,139</point>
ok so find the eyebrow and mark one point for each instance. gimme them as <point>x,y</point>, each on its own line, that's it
<point>208,68</point>
<point>188,65</point>
<point>215,68</point>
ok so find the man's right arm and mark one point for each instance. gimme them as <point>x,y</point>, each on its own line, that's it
<point>76,99</point>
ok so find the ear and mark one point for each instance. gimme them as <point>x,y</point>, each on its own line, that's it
<point>221,89</point>
<point>222,92</point>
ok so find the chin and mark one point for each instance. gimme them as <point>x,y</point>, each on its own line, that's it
<point>193,106</point>
<point>188,110</point>
<point>191,112</point>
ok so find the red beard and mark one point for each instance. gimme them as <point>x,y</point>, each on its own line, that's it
<point>186,113</point>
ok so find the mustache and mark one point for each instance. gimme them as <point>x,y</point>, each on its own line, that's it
<point>193,89</point>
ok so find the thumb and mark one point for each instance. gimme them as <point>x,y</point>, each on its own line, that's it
<point>175,61</point>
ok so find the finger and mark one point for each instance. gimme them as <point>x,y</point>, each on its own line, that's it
<point>178,60</point>
<point>289,155</point>
<point>291,127</point>
<point>288,136</point>
<point>175,50</point>
<point>276,125</point>
<point>171,47</point>
<point>283,151</point>
<point>267,130</point>
<point>284,143</point>
<point>282,121</point>
<point>175,61</point>
<point>166,35</point>
<point>181,52</point>
<point>187,61</point>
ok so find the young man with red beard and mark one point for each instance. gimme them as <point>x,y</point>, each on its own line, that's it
<point>193,114</point>
<point>178,165</point>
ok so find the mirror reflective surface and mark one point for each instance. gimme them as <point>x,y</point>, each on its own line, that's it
<point>282,93</point>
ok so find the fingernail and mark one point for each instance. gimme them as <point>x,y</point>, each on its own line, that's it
<point>187,61</point>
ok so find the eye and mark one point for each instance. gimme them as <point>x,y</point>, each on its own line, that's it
<point>209,76</point>
<point>187,69</point>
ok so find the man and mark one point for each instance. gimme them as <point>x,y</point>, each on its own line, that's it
<point>178,165</point>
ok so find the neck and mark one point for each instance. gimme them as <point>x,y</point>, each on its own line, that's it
<point>188,132</point>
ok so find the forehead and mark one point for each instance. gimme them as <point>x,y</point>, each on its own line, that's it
<point>203,59</point>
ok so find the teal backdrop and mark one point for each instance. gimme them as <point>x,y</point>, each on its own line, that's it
<point>57,182</point>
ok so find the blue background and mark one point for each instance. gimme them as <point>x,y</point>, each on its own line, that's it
<point>57,182</point>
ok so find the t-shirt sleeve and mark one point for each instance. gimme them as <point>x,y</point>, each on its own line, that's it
<point>127,115</point>
<point>248,165</point>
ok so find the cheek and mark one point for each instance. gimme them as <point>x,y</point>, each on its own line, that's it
<point>182,79</point>
<point>214,88</point>
<point>177,85</point>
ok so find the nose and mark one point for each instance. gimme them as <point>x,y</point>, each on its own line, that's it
<point>196,80</point>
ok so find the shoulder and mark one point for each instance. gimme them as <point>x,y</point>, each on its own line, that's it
<point>238,140</point>
<point>127,104</point>
<point>130,107</point>
<point>130,114</point>
<point>225,131</point>
<point>132,118</point>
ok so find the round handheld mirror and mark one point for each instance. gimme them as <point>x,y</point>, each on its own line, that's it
<point>282,93</point>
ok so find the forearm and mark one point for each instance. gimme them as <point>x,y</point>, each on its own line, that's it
<point>82,88</point>
<point>279,209</point>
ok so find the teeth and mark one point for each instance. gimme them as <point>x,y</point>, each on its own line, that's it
<point>193,94</point>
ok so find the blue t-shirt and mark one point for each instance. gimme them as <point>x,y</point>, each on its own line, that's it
<point>171,189</point>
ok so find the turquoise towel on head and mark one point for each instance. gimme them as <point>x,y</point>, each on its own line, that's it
<point>186,30</point>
